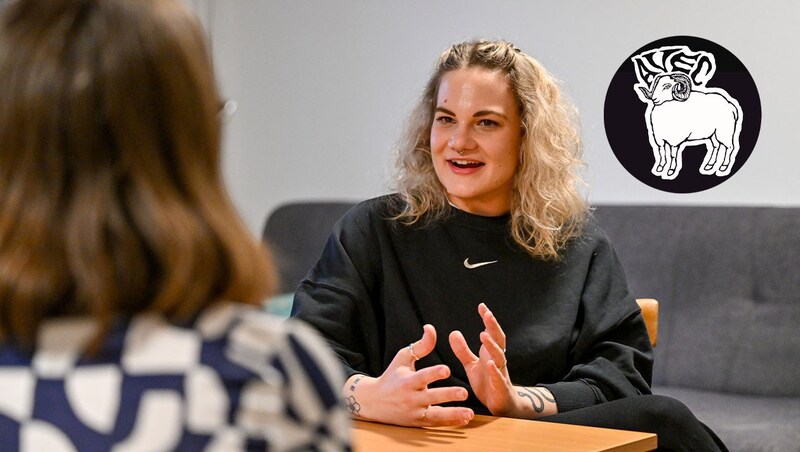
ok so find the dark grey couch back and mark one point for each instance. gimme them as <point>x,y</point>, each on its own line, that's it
<point>727,279</point>
<point>296,233</point>
<point>728,282</point>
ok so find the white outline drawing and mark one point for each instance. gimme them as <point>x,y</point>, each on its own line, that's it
<point>682,111</point>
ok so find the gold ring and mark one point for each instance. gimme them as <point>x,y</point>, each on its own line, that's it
<point>503,366</point>
<point>411,350</point>
<point>425,413</point>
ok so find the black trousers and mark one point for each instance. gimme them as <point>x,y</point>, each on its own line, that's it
<point>676,426</point>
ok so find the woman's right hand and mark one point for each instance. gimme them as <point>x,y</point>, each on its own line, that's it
<point>401,395</point>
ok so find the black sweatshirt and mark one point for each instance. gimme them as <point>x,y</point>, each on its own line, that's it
<point>572,325</point>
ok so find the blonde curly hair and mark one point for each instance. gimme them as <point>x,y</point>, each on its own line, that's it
<point>547,207</point>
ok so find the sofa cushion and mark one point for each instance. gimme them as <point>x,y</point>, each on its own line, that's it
<point>744,423</point>
<point>280,305</point>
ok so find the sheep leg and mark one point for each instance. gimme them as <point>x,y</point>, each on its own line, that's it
<point>713,153</point>
<point>673,160</point>
<point>661,159</point>
<point>726,161</point>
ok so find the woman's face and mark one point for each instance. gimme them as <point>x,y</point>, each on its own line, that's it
<point>475,140</point>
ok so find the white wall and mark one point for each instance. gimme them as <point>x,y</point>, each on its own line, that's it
<point>324,86</point>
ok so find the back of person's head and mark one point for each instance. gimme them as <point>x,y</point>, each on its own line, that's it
<point>111,196</point>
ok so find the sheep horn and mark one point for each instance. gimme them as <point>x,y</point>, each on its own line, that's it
<point>682,87</point>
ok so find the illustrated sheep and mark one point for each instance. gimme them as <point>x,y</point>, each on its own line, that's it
<point>678,115</point>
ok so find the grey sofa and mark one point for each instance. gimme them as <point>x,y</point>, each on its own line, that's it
<point>728,283</point>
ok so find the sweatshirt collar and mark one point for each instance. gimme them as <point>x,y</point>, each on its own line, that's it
<point>497,224</point>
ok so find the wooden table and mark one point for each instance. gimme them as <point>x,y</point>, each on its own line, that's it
<point>487,434</point>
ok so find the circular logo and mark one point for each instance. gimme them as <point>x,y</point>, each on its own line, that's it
<point>682,114</point>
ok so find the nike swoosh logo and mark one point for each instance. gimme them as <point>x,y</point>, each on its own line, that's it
<point>479,264</point>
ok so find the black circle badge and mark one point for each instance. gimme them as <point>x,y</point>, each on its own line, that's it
<point>682,114</point>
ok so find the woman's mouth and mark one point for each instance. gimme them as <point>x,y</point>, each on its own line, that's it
<point>465,164</point>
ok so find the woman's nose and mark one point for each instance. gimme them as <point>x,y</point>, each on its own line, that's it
<point>461,139</point>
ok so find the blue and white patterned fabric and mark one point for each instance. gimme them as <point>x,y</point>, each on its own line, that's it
<point>237,379</point>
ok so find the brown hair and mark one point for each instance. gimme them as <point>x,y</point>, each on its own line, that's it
<point>547,207</point>
<point>111,197</point>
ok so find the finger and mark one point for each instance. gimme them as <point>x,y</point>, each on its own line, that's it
<point>494,349</point>
<point>461,349</point>
<point>409,354</point>
<point>425,345</point>
<point>497,377</point>
<point>492,325</point>
<point>441,416</point>
<point>482,309</point>
<point>426,376</point>
<point>417,350</point>
<point>436,396</point>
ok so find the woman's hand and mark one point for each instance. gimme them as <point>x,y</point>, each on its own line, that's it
<point>487,372</point>
<point>401,395</point>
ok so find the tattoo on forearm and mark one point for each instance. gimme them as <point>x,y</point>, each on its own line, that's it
<point>350,401</point>
<point>538,394</point>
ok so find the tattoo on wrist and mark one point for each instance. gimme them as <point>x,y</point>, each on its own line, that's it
<point>536,396</point>
<point>352,406</point>
<point>355,382</point>
<point>350,401</point>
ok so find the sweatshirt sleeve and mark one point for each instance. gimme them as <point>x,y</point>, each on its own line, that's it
<point>335,297</point>
<point>610,349</point>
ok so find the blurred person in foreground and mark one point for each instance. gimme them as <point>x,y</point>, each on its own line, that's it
<point>130,290</point>
<point>483,285</point>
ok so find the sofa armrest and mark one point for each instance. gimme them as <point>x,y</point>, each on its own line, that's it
<point>649,307</point>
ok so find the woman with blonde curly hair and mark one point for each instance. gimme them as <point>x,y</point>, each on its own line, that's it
<point>547,208</point>
<point>488,212</point>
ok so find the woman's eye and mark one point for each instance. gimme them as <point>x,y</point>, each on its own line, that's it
<point>445,120</point>
<point>487,123</point>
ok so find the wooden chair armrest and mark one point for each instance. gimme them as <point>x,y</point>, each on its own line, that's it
<point>649,307</point>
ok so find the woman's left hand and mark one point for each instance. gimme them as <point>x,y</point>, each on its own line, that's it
<point>487,372</point>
